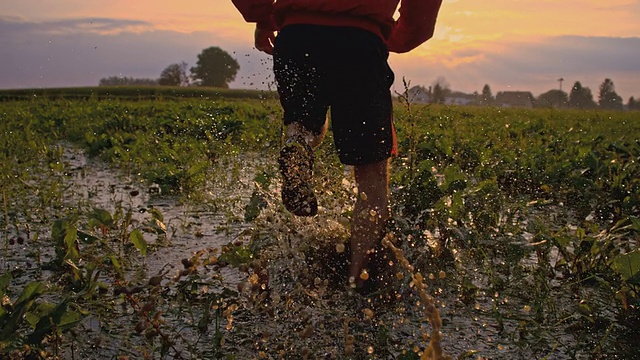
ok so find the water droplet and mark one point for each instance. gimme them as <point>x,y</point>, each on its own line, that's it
<point>364,275</point>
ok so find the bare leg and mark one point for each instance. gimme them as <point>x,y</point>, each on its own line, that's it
<point>369,214</point>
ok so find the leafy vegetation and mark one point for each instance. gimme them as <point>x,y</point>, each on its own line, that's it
<point>525,219</point>
<point>132,93</point>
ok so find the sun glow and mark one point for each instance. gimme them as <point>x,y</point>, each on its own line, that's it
<point>489,40</point>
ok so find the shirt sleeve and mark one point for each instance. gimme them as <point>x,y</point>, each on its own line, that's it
<point>415,25</point>
<point>257,11</point>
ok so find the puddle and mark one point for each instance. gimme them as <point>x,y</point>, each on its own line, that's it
<point>307,311</point>
<point>90,183</point>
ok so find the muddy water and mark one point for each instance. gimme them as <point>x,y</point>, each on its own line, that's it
<point>305,310</point>
<point>86,184</point>
<point>190,226</point>
<point>90,183</point>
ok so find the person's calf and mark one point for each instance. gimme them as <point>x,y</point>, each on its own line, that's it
<point>370,215</point>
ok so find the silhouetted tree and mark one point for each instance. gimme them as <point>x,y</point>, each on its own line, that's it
<point>126,81</point>
<point>439,91</point>
<point>552,98</point>
<point>608,98</point>
<point>633,104</point>
<point>438,95</point>
<point>174,75</point>
<point>215,67</point>
<point>581,97</point>
<point>486,97</point>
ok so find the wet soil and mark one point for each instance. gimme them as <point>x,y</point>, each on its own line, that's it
<point>304,310</point>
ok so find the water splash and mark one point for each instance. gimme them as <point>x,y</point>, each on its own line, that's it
<point>432,314</point>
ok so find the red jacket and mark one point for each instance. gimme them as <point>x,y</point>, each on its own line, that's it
<point>415,24</point>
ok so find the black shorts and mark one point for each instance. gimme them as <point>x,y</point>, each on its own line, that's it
<point>345,69</point>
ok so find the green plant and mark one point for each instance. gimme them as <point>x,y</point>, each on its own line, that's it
<point>28,319</point>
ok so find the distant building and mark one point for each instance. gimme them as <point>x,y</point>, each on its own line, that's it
<point>515,99</point>
<point>419,94</point>
<point>423,95</point>
<point>459,98</point>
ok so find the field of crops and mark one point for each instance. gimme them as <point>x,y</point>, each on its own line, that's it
<point>148,224</point>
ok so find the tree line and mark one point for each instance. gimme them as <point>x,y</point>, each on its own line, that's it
<point>214,68</point>
<point>579,97</point>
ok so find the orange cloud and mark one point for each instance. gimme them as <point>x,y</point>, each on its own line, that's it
<point>510,19</point>
<point>469,30</point>
<point>472,38</point>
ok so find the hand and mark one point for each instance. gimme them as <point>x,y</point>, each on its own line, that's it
<point>264,40</point>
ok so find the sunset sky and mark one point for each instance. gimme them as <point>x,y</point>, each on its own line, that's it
<point>508,44</point>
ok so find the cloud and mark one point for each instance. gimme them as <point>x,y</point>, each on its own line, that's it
<point>15,26</point>
<point>577,54</point>
<point>79,52</point>
<point>575,58</point>
<point>514,19</point>
<point>531,65</point>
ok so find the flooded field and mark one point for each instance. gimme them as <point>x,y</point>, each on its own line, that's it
<point>120,257</point>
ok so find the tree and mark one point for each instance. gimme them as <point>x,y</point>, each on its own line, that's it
<point>174,75</point>
<point>553,98</point>
<point>440,91</point>
<point>486,98</point>
<point>608,98</point>
<point>215,67</point>
<point>581,97</point>
<point>633,104</point>
<point>438,96</point>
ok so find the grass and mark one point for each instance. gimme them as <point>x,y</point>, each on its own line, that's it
<point>132,93</point>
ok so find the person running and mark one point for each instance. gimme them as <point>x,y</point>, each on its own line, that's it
<point>332,54</point>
